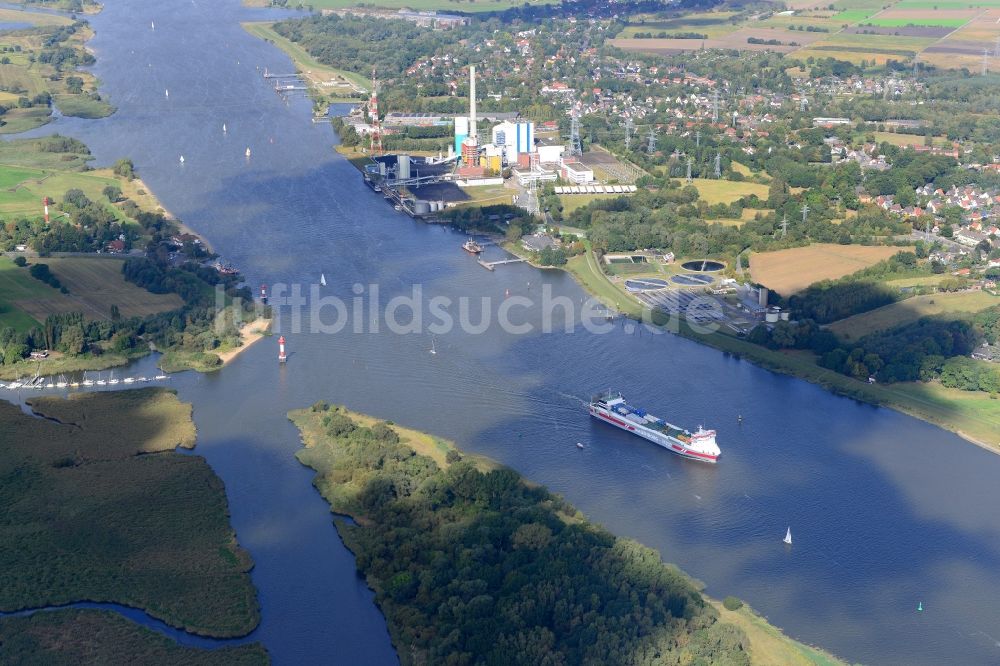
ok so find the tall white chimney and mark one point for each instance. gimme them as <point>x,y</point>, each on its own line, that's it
<point>472,101</point>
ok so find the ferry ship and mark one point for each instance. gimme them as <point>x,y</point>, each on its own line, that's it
<point>472,247</point>
<point>699,445</point>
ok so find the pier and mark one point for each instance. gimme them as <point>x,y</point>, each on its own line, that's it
<point>491,265</point>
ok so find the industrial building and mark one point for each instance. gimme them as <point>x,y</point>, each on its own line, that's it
<point>514,138</point>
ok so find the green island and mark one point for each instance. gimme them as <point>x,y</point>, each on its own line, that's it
<point>96,512</point>
<point>40,67</point>
<point>855,197</point>
<point>472,564</point>
<point>111,275</point>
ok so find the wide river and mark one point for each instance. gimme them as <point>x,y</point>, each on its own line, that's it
<point>886,511</point>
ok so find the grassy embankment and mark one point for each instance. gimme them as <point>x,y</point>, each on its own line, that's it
<point>419,464</point>
<point>26,76</point>
<point>327,84</point>
<point>972,415</point>
<point>99,507</point>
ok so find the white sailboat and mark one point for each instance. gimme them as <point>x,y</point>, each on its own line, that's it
<point>433,348</point>
<point>322,279</point>
<point>248,152</point>
<point>224,130</point>
<point>182,159</point>
<point>152,26</point>
<point>788,537</point>
<point>166,93</point>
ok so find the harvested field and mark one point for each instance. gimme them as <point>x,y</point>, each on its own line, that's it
<point>782,35</point>
<point>894,17</point>
<point>674,46</point>
<point>946,4</point>
<point>925,31</point>
<point>967,43</point>
<point>790,271</point>
<point>95,284</point>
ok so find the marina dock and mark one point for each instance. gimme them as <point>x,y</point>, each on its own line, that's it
<point>491,265</point>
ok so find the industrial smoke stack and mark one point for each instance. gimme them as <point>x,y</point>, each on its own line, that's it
<point>472,101</point>
<point>762,296</point>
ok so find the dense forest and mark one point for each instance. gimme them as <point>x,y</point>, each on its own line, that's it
<point>472,566</point>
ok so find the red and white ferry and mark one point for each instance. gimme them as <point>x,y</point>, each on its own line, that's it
<point>699,445</point>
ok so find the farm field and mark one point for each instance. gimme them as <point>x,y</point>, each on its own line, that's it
<point>912,309</point>
<point>727,191</point>
<point>964,47</point>
<point>22,189</point>
<point>790,271</point>
<point>950,34</point>
<point>94,284</point>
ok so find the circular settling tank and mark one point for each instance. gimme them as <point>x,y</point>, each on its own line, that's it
<point>692,280</point>
<point>645,284</point>
<point>703,266</point>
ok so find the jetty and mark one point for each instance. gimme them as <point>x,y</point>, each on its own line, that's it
<point>491,265</point>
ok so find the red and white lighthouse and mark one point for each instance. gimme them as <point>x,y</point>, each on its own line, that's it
<point>263,294</point>
<point>282,356</point>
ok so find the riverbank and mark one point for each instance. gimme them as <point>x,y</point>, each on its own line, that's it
<point>973,416</point>
<point>328,85</point>
<point>93,516</point>
<point>434,504</point>
<point>249,334</point>
<point>177,360</point>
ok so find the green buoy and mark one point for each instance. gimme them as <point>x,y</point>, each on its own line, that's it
<point>920,605</point>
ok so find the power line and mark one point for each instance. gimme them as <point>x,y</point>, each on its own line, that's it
<point>689,170</point>
<point>718,165</point>
<point>651,142</point>
<point>575,148</point>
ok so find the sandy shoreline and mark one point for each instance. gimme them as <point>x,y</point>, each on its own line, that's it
<point>150,202</point>
<point>249,334</point>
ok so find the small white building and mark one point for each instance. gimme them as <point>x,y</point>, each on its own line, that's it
<point>577,172</point>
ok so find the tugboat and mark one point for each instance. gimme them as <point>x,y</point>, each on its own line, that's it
<point>472,247</point>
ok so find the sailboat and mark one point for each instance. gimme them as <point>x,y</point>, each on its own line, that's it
<point>788,537</point>
<point>182,159</point>
<point>433,348</point>
<point>152,26</point>
<point>224,130</point>
<point>322,279</point>
<point>166,93</point>
<point>248,152</point>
